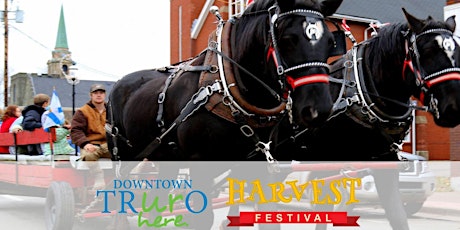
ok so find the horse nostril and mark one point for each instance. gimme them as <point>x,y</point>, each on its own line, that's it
<point>314,113</point>
<point>452,108</point>
<point>310,113</point>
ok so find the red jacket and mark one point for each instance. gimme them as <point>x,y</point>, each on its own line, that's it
<point>5,128</point>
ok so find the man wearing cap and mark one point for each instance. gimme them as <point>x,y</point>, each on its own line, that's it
<point>89,134</point>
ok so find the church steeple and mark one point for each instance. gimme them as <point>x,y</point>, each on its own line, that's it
<point>61,59</point>
<point>61,40</point>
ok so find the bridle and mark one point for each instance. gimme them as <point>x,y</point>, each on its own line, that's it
<point>425,82</point>
<point>312,17</point>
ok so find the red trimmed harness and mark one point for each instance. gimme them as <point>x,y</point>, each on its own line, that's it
<point>426,84</point>
<point>297,82</point>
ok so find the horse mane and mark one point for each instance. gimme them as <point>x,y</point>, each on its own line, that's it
<point>251,40</point>
<point>254,20</point>
<point>388,45</point>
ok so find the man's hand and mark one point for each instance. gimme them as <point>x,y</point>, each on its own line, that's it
<point>91,147</point>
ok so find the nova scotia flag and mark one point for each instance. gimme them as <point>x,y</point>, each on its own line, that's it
<point>55,116</point>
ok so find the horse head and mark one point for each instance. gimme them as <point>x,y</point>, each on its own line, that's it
<point>434,58</point>
<point>287,43</point>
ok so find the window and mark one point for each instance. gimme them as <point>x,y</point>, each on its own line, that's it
<point>236,7</point>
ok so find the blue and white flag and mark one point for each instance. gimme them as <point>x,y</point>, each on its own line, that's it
<point>55,116</point>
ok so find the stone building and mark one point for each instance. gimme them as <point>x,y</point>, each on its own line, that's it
<point>60,77</point>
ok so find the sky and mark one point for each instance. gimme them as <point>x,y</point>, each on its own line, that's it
<point>108,38</point>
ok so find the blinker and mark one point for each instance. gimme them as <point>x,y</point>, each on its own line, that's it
<point>340,45</point>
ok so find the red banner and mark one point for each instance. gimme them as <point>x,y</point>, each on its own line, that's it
<point>251,218</point>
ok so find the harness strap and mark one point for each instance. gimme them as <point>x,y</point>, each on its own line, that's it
<point>347,95</point>
<point>108,129</point>
<point>161,98</point>
<point>186,67</point>
<point>357,103</point>
<point>272,92</point>
<point>198,99</point>
<point>113,131</point>
<point>249,132</point>
<point>393,146</point>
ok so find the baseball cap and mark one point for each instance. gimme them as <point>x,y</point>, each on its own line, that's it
<point>96,87</point>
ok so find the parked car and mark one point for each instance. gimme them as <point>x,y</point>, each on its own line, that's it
<point>416,184</point>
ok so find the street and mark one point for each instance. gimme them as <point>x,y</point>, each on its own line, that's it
<point>19,212</point>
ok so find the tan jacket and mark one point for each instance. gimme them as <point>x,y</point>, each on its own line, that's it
<point>88,126</point>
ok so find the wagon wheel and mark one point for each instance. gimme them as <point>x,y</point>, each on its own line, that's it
<point>59,207</point>
<point>412,207</point>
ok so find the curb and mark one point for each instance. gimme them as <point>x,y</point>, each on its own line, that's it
<point>445,203</point>
<point>440,211</point>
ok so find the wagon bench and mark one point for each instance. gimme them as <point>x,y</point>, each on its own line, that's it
<point>37,136</point>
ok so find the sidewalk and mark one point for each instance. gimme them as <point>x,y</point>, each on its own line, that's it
<point>446,198</point>
<point>443,203</point>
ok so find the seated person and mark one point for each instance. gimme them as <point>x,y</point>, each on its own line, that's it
<point>15,128</point>
<point>11,114</point>
<point>32,119</point>
<point>61,145</point>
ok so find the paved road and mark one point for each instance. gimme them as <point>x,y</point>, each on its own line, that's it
<point>18,213</point>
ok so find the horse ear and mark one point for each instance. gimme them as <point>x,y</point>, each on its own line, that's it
<point>415,24</point>
<point>451,23</point>
<point>328,7</point>
<point>284,5</point>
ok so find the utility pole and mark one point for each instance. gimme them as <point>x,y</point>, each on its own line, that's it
<point>19,18</point>
<point>5,71</point>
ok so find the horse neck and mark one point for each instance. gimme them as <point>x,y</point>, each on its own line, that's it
<point>248,49</point>
<point>383,71</point>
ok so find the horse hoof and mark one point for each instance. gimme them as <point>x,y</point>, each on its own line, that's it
<point>223,225</point>
<point>119,223</point>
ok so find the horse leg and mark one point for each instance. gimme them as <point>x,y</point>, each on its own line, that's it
<point>265,179</point>
<point>387,184</point>
<point>154,203</point>
<point>120,220</point>
<point>234,210</point>
<point>319,175</point>
<point>201,199</point>
<point>258,171</point>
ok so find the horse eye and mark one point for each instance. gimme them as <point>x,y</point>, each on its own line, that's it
<point>288,40</point>
<point>331,42</point>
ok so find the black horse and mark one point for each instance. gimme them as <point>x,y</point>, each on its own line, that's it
<point>373,86</point>
<point>266,65</point>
